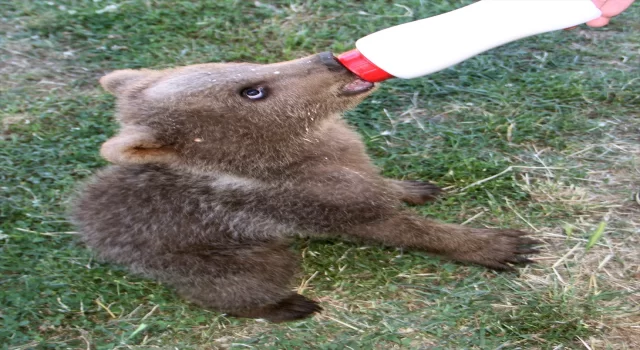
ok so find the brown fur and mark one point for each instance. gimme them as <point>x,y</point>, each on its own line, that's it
<point>207,185</point>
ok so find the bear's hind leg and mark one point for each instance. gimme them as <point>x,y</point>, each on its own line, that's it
<point>242,280</point>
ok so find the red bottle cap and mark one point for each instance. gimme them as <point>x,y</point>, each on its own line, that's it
<point>358,64</point>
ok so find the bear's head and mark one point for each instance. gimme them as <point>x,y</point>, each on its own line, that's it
<point>228,116</point>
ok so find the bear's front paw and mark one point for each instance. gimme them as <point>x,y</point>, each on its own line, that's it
<point>418,192</point>
<point>498,249</point>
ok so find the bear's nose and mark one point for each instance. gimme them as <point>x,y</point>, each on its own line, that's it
<point>327,59</point>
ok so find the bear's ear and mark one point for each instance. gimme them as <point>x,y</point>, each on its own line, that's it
<point>116,82</point>
<point>136,145</point>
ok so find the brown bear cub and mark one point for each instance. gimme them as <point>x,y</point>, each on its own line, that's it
<point>216,166</point>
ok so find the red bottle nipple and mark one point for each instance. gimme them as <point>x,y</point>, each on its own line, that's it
<point>358,64</point>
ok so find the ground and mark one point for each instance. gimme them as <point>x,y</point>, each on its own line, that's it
<point>541,135</point>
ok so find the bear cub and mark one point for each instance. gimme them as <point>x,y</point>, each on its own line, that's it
<point>216,166</point>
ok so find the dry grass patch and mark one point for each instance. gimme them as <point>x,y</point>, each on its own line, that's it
<point>599,249</point>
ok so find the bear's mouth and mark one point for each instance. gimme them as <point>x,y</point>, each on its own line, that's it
<point>356,87</point>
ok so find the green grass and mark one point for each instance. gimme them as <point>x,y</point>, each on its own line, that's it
<point>562,106</point>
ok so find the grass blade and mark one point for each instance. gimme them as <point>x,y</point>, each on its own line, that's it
<point>595,236</point>
<point>140,328</point>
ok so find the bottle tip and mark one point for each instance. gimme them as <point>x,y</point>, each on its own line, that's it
<point>361,66</point>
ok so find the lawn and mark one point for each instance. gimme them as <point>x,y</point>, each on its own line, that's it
<point>542,135</point>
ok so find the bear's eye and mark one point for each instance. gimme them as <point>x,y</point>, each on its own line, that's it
<point>254,93</point>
